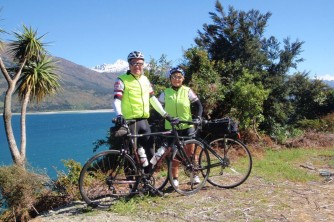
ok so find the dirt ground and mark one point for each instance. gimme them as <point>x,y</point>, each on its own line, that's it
<point>255,200</point>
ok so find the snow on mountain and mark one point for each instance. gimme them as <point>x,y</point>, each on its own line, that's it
<point>326,77</point>
<point>117,67</point>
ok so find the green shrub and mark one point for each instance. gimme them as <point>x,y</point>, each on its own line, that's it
<point>25,194</point>
<point>69,182</point>
<point>281,133</point>
<point>324,124</point>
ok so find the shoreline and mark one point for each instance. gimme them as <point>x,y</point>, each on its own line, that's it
<point>69,111</point>
<point>72,111</point>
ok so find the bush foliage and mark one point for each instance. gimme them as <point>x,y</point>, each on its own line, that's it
<point>324,124</point>
<point>25,194</point>
<point>21,190</point>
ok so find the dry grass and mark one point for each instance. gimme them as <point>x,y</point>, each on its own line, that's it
<point>312,140</point>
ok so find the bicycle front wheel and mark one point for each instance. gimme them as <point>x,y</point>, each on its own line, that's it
<point>188,178</point>
<point>160,175</point>
<point>230,162</point>
<point>106,177</point>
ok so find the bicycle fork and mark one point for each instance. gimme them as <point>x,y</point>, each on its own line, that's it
<point>187,162</point>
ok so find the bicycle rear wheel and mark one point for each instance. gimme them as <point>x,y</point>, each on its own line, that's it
<point>191,178</point>
<point>106,177</point>
<point>230,163</point>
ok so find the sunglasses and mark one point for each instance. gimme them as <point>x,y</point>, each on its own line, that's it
<point>136,64</point>
<point>177,77</point>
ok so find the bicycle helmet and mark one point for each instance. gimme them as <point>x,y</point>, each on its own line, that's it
<point>176,69</point>
<point>135,55</point>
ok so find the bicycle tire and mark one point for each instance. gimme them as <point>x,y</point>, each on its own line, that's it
<point>234,165</point>
<point>161,175</point>
<point>107,177</point>
<point>186,174</point>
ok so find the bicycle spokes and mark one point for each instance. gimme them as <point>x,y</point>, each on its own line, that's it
<point>231,163</point>
<point>187,169</point>
<point>107,177</point>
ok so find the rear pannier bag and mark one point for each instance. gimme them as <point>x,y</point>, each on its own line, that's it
<point>221,126</point>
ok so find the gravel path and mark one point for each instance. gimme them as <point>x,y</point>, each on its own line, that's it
<point>255,200</point>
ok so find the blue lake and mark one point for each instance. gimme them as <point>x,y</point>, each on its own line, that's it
<point>54,137</point>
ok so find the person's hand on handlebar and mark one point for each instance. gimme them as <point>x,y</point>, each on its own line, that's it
<point>172,120</point>
<point>197,120</point>
<point>167,117</point>
<point>120,120</point>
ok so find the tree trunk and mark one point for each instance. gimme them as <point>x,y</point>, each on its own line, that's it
<point>7,113</point>
<point>23,125</point>
<point>255,128</point>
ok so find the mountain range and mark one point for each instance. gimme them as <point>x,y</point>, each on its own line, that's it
<point>329,82</point>
<point>82,88</point>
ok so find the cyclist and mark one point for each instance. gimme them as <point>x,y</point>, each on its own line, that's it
<point>133,95</point>
<point>180,101</point>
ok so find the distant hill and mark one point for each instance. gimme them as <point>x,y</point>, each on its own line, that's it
<point>329,82</point>
<point>82,89</point>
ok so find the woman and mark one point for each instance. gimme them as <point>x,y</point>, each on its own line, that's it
<point>180,101</point>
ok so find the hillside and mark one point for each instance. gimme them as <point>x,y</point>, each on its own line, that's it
<point>82,89</point>
<point>329,82</point>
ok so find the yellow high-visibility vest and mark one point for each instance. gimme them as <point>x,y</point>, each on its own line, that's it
<point>136,96</point>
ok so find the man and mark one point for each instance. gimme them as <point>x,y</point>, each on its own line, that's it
<point>133,94</point>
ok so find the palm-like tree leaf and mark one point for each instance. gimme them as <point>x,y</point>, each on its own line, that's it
<point>27,45</point>
<point>40,78</point>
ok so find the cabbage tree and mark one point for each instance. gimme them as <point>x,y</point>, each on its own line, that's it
<point>26,49</point>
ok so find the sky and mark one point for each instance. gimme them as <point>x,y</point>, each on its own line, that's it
<point>93,32</point>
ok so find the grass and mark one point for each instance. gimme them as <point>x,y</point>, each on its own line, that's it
<point>131,206</point>
<point>286,164</point>
<point>274,165</point>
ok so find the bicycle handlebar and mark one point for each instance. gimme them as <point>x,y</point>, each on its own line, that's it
<point>174,121</point>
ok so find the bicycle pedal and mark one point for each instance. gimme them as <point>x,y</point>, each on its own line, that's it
<point>154,190</point>
<point>159,193</point>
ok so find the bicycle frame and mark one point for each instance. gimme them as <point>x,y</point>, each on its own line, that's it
<point>167,134</point>
<point>212,151</point>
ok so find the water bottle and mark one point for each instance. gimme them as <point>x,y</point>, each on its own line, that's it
<point>157,155</point>
<point>142,156</point>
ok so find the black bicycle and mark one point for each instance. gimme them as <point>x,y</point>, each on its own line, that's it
<point>118,174</point>
<point>230,159</point>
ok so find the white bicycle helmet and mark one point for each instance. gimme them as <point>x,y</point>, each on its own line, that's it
<point>135,55</point>
<point>176,69</point>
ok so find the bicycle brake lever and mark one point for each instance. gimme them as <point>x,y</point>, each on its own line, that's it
<point>174,121</point>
